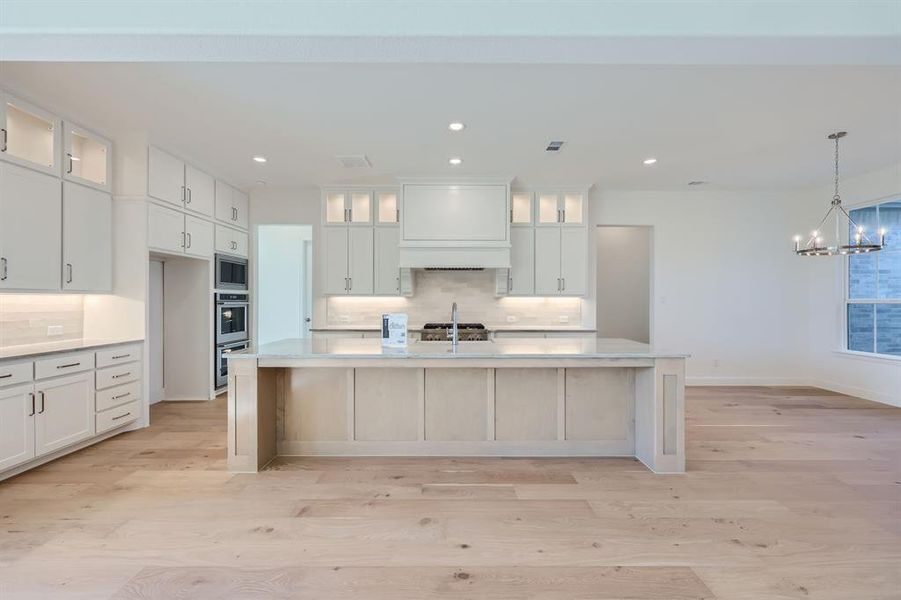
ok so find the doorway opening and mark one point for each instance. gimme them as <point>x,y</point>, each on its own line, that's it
<point>284,300</point>
<point>625,282</point>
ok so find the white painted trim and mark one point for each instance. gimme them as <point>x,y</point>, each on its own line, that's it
<point>859,392</point>
<point>601,448</point>
<point>747,381</point>
<point>868,356</point>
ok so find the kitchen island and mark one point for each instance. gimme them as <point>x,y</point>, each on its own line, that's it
<point>509,397</point>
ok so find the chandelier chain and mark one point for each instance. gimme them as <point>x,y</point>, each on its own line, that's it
<point>836,196</point>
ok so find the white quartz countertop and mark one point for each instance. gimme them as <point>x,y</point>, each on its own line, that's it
<point>505,328</point>
<point>349,348</point>
<point>26,350</point>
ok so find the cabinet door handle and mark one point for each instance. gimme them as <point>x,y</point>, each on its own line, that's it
<point>126,374</point>
<point>184,193</point>
<point>121,356</point>
<point>398,284</point>
<point>69,156</point>
<point>183,239</point>
<point>68,366</point>
<point>188,196</point>
<point>125,395</point>
<point>189,240</point>
<point>397,216</point>
<point>69,272</point>
<point>31,394</point>
<point>509,284</point>
<point>5,138</point>
<point>563,284</point>
<point>7,376</point>
<point>4,268</point>
<point>350,283</point>
<point>40,412</point>
<point>121,416</point>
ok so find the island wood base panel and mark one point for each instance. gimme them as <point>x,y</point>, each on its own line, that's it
<point>457,411</point>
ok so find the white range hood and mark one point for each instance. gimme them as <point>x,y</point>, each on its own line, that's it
<point>455,225</point>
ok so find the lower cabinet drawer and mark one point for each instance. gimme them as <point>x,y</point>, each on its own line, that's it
<point>120,394</point>
<point>114,417</point>
<point>119,355</point>
<point>63,364</point>
<point>15,373</point>
<point>118,375</point>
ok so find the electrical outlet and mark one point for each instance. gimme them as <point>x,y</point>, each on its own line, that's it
<point>344,318</point>
<point>53,330</point>
<point>563,318</point>
<point>512,319</point>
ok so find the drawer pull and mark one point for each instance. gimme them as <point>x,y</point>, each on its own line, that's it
<point>7,376</point>
<point>68,366</point>
<point>122,395</point>
<point>121,416</point>
<point>121,356</point>
<point>121,375</point>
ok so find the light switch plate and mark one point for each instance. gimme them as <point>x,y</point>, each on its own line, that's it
<point>53,330</point>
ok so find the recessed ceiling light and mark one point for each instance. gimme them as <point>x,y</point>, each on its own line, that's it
<point>259,159</point>
<point>649,161</point>
<point>456,126</point>
<point>455,161</point>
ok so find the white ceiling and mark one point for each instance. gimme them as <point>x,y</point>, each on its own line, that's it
<point>736,127</point>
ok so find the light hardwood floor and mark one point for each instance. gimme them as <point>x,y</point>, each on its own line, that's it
<point>791,493</point>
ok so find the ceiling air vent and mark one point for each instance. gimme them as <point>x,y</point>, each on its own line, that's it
<point>354,162</point>
<point>554,146</point>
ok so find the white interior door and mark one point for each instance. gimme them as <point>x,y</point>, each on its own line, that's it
<point>87,239</point>
<point>547,261</point>
<point>522,261</point>
<point>360,261</point>
<point>155,331</point>
<point>65,412</point>
<point>30,225</point>
<point>282,303</point>
<point>16,426</point>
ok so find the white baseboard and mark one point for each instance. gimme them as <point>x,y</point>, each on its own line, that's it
<point>849,390</point>
<point>748,381</point>
<point>859,392</point>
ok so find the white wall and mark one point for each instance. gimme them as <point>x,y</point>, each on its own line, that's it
<point>868,377</point>
<point>727,288</point>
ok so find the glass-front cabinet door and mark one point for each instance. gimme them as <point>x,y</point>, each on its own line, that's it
<point>388,211</point>
<point>87,158</point>
<point>521,208</point>
<point>29,136</point>
<point>349,208</point>
<point>566,208</point>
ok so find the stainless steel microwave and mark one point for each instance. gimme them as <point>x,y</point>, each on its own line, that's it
<point>231,273</point>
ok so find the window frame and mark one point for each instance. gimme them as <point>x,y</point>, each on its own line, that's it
<point>847,301</point>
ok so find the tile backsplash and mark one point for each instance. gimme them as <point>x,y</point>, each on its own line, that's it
<point>474,293</point>
<point>25,318</point>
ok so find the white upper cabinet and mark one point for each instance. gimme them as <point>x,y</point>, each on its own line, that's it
<point>231,205</point>
<point>335,245</point>
<point>87,239</point>
<point>522,211</point>
<point>165,177</point>
<point>231,241</point>
<point>521,278</point>
<point>574,261</point>
<point>547,261</point>
<point>29,136</point>
<point>559,209</point>
<point>88,157</point>
<point>200,191</point>
<point>348,208</point>
<point>360,262</point>
<point>387,208</point>
<point>198,237</point>
<point>177,233</point>
<point>387,261</point>
<point>30,226</point>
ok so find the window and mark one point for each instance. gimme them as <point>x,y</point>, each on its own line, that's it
<point>874,284</point>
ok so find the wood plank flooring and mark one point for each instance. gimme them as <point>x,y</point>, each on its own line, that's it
<point>791,493</point>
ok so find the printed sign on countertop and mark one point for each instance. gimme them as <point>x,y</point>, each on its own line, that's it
<point>394,330</point>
